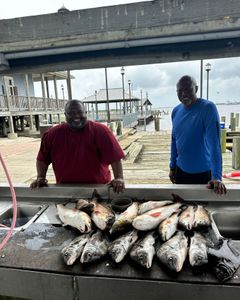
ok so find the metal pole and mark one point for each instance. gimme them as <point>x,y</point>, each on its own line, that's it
<point>96,105</point>
<point>207,82</point>
<point>123,90</point>
<point>107,96</point>
<point>201,77</point>
<point>141,104</point>
<point>69,87</point>
<point>129,89</point>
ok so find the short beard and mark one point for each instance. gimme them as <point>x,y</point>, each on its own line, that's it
<point>77,127</point>
<point>186,101</point>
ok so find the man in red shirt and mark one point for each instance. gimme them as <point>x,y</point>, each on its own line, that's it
<point>80,151</point>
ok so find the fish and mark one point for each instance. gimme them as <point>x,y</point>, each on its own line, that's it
<point>168,227</point>
<point>198,250</point>
<point>122,245</point>
<point>144,250</point>
<point>186,218</point>
<point>73,251</point>
<point>225,259</point>
<point>151,219</point>
<point>84,205</point>
<point>201,218</point>
<point>149,205</point>
<point>95,248</point>
<point>102,216</point>
<point>125,218</point>
<point>75,218</point>
<point>173,252</point>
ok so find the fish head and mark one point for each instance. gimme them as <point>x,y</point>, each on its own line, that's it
<point>198,259</point>
<point>173,262</point>
<point>117,226</point>
<point>144,259</point>
<point>89,255</point>
<point>69,257</point>
<point>117,253</point>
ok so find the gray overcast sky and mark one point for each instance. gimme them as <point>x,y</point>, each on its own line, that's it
<point>158,80</point>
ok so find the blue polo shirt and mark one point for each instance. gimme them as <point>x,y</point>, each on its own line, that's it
<point>195,144</point>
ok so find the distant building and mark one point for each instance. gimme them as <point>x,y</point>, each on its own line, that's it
<point>19,108</point>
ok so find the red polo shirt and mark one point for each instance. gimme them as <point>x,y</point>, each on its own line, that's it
<point>80,156</point>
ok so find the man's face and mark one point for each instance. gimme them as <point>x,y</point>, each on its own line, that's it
<point>76,116</point>
<point>186,91</point>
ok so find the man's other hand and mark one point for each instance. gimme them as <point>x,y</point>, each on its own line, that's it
<point>39,182</point>
<point>172,176</point>
<point>118,185</point>
<point>217,186</point>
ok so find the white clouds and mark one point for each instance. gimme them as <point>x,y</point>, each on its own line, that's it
<point>159,80</point>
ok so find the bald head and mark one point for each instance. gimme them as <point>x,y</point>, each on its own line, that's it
<point>75,114</point>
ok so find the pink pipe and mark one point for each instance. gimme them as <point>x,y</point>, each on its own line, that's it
<point>14,200</point>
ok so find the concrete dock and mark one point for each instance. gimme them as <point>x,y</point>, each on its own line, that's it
<point>147,158</point>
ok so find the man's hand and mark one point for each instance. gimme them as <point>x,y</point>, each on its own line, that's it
<point>39,182</point>
<point>217,186</point>
<point>172,176</point>
<point>118,185</point>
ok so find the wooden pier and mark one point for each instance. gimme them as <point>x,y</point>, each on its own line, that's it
<point>146,162</point>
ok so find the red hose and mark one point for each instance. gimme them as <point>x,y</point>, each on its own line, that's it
<point>14,199</point>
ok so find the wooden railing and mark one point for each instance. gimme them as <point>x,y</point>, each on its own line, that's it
<point>22,103</point>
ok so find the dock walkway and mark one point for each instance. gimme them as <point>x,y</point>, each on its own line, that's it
<point>147,163</point>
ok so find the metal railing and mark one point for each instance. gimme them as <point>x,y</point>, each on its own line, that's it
<point>22,103</point>
<point>129,119</point>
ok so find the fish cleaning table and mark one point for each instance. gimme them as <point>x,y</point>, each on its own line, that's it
<point>31,265</point>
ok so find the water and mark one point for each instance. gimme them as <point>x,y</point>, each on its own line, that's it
<point>166,123</point>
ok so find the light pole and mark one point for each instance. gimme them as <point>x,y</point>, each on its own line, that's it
<point>208,69</point>
<point>96,106</point>
<point>62,87</point>
<point>107,97</point>
<point>123,73</point>
<point>129,91</point>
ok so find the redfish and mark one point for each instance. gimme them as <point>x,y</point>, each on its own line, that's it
<point>153,218</point>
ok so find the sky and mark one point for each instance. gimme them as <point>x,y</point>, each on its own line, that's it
<point>157,80</point>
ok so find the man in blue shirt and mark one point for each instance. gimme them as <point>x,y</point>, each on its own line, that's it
<point>196,156</point>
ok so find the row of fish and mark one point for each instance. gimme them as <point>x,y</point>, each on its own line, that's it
<point>92,246</point>
<point>165,215</point>
<point>178,224</point>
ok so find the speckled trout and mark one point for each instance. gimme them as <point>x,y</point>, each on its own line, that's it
<point>173,252</point>
<point>74,218</point>
<point>153,218</point>
<point>95,248</point>
<point>144,250</point>
<point>198,252</point>
<point>72,251</point>
<point>121,246</point>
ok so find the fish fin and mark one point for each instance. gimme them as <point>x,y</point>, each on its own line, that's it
<point>177,198</point>
<point>96,195</point>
